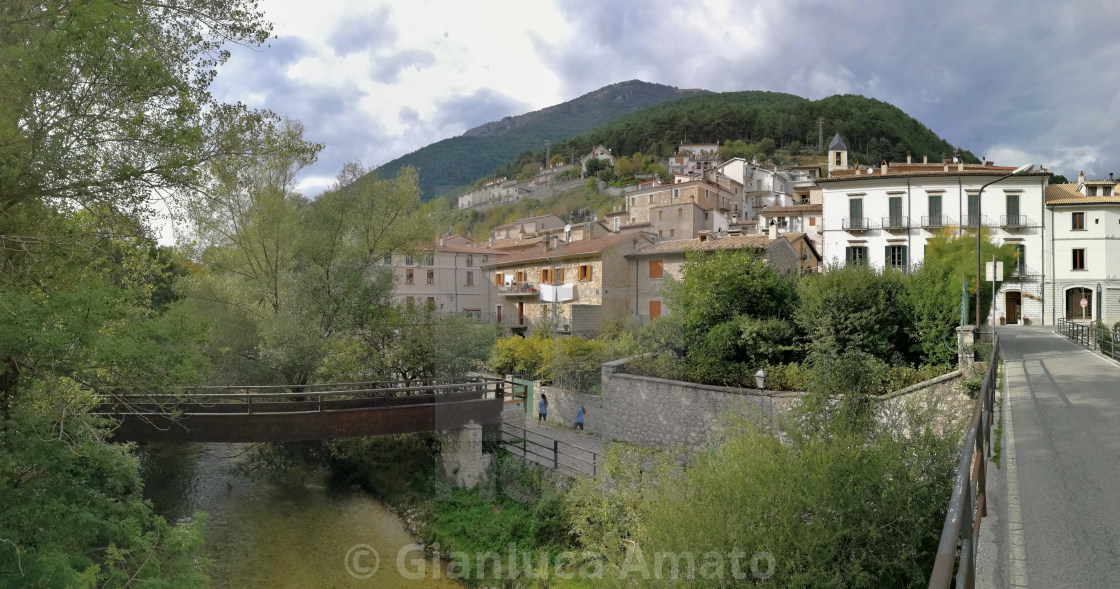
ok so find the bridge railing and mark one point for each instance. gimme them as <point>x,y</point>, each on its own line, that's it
<point>1091,337</point>
<point>557,455</point>
<point>967,503</point>
<point>288,398</point>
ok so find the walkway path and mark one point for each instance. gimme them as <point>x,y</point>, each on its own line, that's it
<point>577,454</point>
<point>1054,516</point>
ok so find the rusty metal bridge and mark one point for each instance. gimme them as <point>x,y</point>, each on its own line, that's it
<point>308,412</point>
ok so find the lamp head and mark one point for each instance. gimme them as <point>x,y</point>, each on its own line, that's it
<point>1023,169</point>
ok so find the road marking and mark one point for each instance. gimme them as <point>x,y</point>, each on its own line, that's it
<point>1017,558</point>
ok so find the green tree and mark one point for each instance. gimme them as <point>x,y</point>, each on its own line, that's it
<point>556,161</point>
<point>767,147</point>
<point>624,167</point>
<point>528,172</point>
<point>104,106</point>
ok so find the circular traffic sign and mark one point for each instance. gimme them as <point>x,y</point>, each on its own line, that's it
<point>1084,303</point>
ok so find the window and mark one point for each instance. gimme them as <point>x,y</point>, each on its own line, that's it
<point>650,199</point>
<point>838,158</point>
<point>498,308</point>
<point>680,212</point>
<point>974,209</point>
<point>584,272</point>
<point>431,302</point>
<point>388,260</point>
<point>470,278</point>
<point>676,193</point>
<point>654,309</point>
<point>485,258</point>
<point>558,274</point>
<point>855,255</point>
<point>1079,259</point>
<point>470,260</point>
<point>520,276</point>
<point>934,211</point>
<point>408,276</point>
<point>546,275</point>
<point>408,259</point>
<point>660,233</point>
<point>855,213</point>
<point>660,215</point>
<point>655,268</point>
<point>672,232</point>
<point>1020,260</point>
<point>499,279</point>
<point>1013,210</point>
<point>812,221</point>
<point>430,261</point>
<point>896,257</point>
<point>431,276</point>
<point>894,204</point>
<point>1078,221</point>
<point>410,302</point>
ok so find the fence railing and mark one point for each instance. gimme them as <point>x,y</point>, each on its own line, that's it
<point>967,504</point>
<point>1091,337</point>
<point>556,455</point>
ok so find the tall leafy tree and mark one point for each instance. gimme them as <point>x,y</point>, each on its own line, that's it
<point>104,107</point>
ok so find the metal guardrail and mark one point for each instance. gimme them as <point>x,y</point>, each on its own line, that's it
<point>1090,337</point>
<point>559,456</point>
<point>967,504</point>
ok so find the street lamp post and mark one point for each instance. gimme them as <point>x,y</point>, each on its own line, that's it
<point>979,207</point>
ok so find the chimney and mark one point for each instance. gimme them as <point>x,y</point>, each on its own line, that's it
<point>1110,177</point>
<point>945,165</point>
<point>908,157</point>
<point>960,165</point>
<point>773,230</point>
<point>883,167</point>
<point>441,241</point>
<point>555,241</point>
<point>1081,177</point>
<point>925,159</point>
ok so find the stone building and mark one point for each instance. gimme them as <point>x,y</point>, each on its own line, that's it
<point>447,275</point>
<point>567,286</point>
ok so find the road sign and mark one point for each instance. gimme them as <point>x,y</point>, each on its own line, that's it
<point>1084,303</point>
<point>997,275</point>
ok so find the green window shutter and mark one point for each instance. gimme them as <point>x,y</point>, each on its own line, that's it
<point>935,210</point>
<point>896,210</point>
<point>866,254</point>
<point>887,258</point>
<point>855,211</point>
<point>1012,205</point>
<point>848,256</point>
<point>973,210</point>
<point>905,258</point>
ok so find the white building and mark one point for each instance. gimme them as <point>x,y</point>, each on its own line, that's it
<point>883,217</point>
<point>1083,249</point>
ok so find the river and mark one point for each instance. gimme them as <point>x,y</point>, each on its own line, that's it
<point>263,533</point>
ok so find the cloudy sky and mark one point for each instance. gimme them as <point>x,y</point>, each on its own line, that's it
<point>1016,81</point>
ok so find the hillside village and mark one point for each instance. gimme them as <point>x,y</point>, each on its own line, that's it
<point>547,272</point>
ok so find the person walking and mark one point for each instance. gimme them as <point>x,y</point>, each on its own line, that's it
<point>542,409</point>
<point>579,420</point>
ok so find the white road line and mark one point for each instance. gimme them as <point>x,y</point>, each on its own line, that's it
<point>1017,557</point>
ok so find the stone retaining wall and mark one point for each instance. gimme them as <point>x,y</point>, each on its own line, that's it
<point>562,405</point>
<point>659,412</point>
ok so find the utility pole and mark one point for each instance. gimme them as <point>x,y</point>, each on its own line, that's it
<point>820,133</point>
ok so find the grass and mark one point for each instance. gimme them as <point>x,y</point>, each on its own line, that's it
<point>997,432</point>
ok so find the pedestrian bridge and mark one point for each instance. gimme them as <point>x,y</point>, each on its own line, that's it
<point>279,413</point>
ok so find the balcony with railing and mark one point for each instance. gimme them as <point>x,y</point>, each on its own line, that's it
<point>896,223</point>
<point>974,220</point>
<point>857,224</point>
<point>936,222</point>
<point>1011,222</point>
<point>1024,272</point>
<point>518,289</point>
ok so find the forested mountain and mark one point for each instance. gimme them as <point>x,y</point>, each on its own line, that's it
<point>457,162</point>
<point>873,130</point>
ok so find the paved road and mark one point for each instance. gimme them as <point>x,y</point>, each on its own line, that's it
<point>578,454</point>
<point>1054,514</point>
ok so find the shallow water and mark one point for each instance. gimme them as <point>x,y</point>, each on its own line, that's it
<point>264,533</point>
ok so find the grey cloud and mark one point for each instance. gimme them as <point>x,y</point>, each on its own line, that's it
<point>482,106</point>
<point>360,33</point>
<point>387,69</point>
<point>408,115</point>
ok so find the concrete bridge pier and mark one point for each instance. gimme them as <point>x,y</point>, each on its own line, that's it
<point>461,459</point>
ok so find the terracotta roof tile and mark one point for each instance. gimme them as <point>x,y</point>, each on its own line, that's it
<point>730,242</point>
<point>793,209</point>
<point>567,249</point>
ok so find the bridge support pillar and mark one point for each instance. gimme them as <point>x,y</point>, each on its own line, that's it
<point>461,458</point>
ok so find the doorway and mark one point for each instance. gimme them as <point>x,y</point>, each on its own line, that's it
<point>1014,307</point>
<point>1074,311</point>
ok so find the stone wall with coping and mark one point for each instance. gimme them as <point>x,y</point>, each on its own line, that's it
<point>659,412</point>
<point>668,413</point>
<point>562,405</point>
